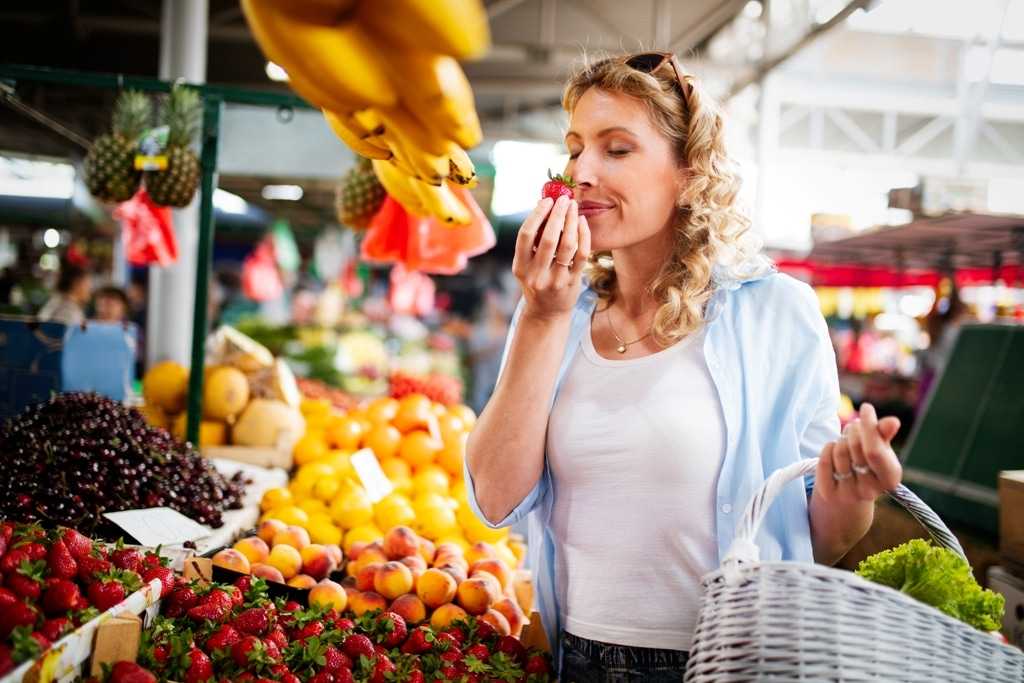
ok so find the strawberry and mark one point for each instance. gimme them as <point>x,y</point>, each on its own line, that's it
<point>381,668</point>
<point>335,659</point>
<point>253,621</point>
<point>450,673</point>
<point>224,638</point>
<point>453,633</point>
<point>6,660</point>
<point>243,583</point>
<point>446,640</point>
<point>3,546</point>
<point>513,648</point>
<point>452,655</point>
<point>485,631</point>
<point>55,628</point>
<point>7,597</point>
<point>272,650</point>
<point>61,596</point>
<point>344,676</point>
<point>166,576</point>
<point>35,551</point>
<point>59,561</point>
<point>557,186</point>
<point>420,640</point>
<point>322,677</point>
<point>359,645</point>
<point>181,600</point>
<point>154,559</point>
<point>127,558</point>
<point>78,545</point>
<point>392,629</point>
<point>292,606</point>
<point>289,678</point>
<point>90,567</point>
<point>250,653</point>
<point>415,676</point>
<point>236,596</point>
<point>130,672</point>
<point>106,593</point>
<point>27,581</point>
<point>278,637</point>
<point>279,670</point>
<point>537,664</point>
<point>200,667</point>
<point>12,560</point>
<point>215,605</point>
<point>479,651</point>
<point>26,644</point>
<point>313,628</point>
<point>344,624</point>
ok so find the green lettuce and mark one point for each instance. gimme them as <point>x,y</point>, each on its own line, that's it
<point>937,577</point>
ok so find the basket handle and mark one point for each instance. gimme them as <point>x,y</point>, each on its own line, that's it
<point>744,549</point>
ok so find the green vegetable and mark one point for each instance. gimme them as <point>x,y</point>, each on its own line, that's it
<point>937,577</point>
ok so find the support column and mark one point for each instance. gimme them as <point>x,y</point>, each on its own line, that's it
<point>183,39</point>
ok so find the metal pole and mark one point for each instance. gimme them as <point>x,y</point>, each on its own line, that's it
<point>211,136</point>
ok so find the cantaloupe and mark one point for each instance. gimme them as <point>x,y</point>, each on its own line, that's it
<point>269,423</point>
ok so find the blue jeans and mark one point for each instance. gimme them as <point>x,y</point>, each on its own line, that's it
<point>590,661</point>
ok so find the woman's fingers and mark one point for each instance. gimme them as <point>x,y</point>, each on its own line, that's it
<point>549,238</point>
<point>527,236</point>
<point>582,247</point>
<point>566,251</point>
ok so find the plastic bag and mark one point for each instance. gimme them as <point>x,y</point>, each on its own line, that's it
<point>261,280</point>
<point>411,293</point>
<point>147,231</point>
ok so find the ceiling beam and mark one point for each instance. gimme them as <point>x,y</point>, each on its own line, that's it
<point>696,33</point>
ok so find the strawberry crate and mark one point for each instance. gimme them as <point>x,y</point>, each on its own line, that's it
<point>65,659</point>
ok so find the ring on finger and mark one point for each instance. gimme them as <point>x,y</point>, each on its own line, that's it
<point>841,476</point>
<point>862,469</point>
<point>566,265</point>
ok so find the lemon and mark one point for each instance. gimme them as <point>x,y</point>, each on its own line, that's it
<point>327,489</point>
<point>313,506</point>
<point>352,509</point>
<point>431,479</point>
<point>437,522</point>
<point>476,530</point>
<point>395,510</point>
<point>275,498</point>
<point>310,448</point>
<point>314,406</point>
<point>341,461</point>
<point>459,492</point>
<point>301,489</point>
<point>314,471</point>
<point>290,514</point>
<point>506,555</point>
<point>366,533</point>
<point>395,468</point>
<point>323,531</point>
<point>455,538</point>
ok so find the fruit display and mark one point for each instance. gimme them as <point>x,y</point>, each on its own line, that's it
<point>359,195</point>
<point>443,389</point>
<point>281,553</point>
<point>393,91</point>
<point>176,184</point>
<point>250,398</point>
<point>54,582</point>
<point>110,172</point>
<point>237,632</point>
<point>315,390</point>
<point>70,459</point>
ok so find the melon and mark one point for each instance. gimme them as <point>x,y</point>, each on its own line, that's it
<point>269,423</point>
<point>225,394</point>
<point>165,386</point>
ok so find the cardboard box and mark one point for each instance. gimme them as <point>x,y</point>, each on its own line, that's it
<point>1011,588</point>
<point>1011,516</point>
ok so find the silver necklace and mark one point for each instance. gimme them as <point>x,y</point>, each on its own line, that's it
<point>623,344</point>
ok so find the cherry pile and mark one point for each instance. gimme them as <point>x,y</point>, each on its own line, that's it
<point>78,455</point>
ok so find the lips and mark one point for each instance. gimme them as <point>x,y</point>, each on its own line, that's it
<point>589,208</point>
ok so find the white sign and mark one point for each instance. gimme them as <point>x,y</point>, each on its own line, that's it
<point>374,480</point>
<point>158,526</point>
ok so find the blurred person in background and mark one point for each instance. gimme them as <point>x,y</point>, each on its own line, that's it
<point>67,304</point>
<point>111,305</point>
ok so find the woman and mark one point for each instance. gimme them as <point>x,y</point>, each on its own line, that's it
<point>637,413</point>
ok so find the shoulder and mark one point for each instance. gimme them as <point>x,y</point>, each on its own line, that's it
<point>781,300</point>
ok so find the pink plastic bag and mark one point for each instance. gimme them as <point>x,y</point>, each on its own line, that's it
<point>261,280</point>
<point>147,231</point>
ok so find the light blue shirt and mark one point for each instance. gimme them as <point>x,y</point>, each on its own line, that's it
<point>771,360</point>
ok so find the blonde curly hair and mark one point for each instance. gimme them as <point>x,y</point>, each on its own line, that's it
<point>709,228</point>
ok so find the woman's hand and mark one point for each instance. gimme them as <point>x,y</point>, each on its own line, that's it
<point>861,465</point>
<point>550,272</point>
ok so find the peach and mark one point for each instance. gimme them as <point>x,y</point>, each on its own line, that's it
<point>327,593</point>
<point>372,554</point>
<point>366,576</point>
<point>295,536</point>
<point>230,558</point>
<point>355,549</point>
<point>302,581</point>
<point>436,588</point>
<point>367,601</point>
<point>401,542</point>
<point>476,594</point>
<point>446,549</point>
<point>254,548</point>
<point>350,589</point>
<point>393,579</point>
<point>456,571</point>
<point>480,551</point>
<point>268,573</point>
<point>410,608</point>
<point>495,568</point>
<point>334,552</point>
<point>414,562</point>
<point>316,562</point>
<point>513,613</point>
<point>445,615</point>
<point>286,559</point>
<point>427,549</point>
<point>498,621</point>
<point>269,528</point>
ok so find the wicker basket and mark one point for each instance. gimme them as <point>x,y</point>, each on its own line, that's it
<point>794,621</point>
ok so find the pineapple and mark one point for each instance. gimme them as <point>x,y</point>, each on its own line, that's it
<point>177,184</point>
<point>110,171</point>
<point>359,195</point>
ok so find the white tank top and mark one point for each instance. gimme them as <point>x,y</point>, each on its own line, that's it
<point>635,447</point>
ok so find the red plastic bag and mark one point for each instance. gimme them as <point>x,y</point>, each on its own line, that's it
<point>411,293</point>
<point>261,280</point>
<point>147,231</point>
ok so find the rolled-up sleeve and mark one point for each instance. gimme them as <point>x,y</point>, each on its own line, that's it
<point>533,497</point>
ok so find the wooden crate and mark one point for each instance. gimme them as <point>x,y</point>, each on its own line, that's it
<point>261,457</point>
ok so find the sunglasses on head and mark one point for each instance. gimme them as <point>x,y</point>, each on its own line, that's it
<point>649,62</point>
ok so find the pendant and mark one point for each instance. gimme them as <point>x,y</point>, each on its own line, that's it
<point>621,348</point>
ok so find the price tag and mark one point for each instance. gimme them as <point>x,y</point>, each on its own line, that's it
<point>145,162</point>
<point>370,474</point>
<point>158,526</point>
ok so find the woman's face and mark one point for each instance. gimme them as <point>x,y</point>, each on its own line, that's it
<point>627,177</point>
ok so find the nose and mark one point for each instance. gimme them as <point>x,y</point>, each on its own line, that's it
<point>582,169</point>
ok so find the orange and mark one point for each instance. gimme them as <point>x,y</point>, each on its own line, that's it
<point>414,412</point>
<point>452,426</point>
<point>382,410</point>
<point>395,468</point>
<point>419,448</point>
<point>453,455</point>
<point>431,479</point>
<point>344,432</point>
<point>309,448</point>
<point>276,497</point>
<point>464,413</point>
<point>383,440</point>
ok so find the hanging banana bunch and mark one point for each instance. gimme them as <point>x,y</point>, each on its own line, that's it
<point>387,77</point>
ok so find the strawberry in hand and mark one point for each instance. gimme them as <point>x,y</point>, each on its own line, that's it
<point>557,186</point>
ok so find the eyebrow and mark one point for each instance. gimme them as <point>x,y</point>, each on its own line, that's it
<point>602,133</point>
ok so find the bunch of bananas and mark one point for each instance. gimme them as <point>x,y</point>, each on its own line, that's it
<point>387,77</point>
